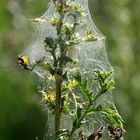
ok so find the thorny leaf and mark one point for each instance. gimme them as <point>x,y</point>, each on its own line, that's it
<point>66,59</point>
<point>113,116</point>
<point>83,85</point>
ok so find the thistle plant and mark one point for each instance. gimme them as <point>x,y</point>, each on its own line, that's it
<point>68,92</point>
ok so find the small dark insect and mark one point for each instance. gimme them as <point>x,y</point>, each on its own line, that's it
<point>97,135</point>
<point>23,61</point>
<point>116,133</point>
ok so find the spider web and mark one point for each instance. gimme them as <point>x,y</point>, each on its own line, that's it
<point>89,56</point>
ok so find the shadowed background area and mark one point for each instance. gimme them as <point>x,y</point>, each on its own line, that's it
<point>21,115</point>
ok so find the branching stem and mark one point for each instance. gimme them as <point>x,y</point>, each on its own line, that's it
<point>80,120</point>
<point>84,114</point>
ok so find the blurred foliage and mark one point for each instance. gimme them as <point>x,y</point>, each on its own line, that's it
<point>21,115</point>
<point>119,21</point>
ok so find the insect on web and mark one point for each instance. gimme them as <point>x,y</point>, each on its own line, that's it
<point>89,56</point>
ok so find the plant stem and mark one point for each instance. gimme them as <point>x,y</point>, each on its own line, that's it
<point>84,114</point>
<point>58,78</point>
<point>58,83</point>
<point>60,18</point>
<point>80,120</point>
<point>59,65</point>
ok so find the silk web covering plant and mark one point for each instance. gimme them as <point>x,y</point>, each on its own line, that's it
<point>68,54</point>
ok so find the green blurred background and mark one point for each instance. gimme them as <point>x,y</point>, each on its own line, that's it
<point>21,115</point>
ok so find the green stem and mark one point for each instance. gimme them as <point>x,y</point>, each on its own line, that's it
<point>84,114</point>
<point>97,96</point>
<point>58,80</point>
<point>58,83</point>
<point>59,66</point>
<point>80,120</point>
<point>62,14</point>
